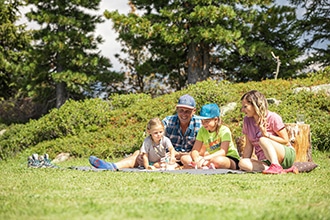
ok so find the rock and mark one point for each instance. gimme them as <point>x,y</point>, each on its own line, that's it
<point>229,107</point>
<point>2,131</point>
<point>314,89</point>
<point>61,157</point>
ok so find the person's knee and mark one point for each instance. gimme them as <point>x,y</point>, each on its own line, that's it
<point>185,159</point>
<point>221,162</point>
<point>245,164</point>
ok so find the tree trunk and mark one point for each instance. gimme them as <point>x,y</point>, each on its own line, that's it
<point>300,138</point>
<point>61,95</point>
<point>198,62</point>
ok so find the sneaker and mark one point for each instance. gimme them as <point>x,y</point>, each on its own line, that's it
<point>41,161</point>
<point>33,161</point>
<point>274,169</point>
<point>101,164</point>
<point>47,163</point>
<point>292,169</point>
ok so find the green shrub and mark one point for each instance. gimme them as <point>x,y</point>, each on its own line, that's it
<point>113,128</point>
<point>71,119</point>
<point>124,101</point>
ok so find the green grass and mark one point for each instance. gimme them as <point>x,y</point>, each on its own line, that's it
<point>27,193</point>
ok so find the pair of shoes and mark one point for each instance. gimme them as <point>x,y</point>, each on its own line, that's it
<point>292,169</point>
<point>274,169</point>
<point>36,161</point>
<point>101,164</point>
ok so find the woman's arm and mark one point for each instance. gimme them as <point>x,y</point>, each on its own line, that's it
<point>248,149</point>
<point>281,136</point>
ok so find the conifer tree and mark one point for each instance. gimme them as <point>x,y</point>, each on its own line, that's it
<point>69,64</point>
<point>14,50</point>
<point>192,40</point>
<point>316,26</point>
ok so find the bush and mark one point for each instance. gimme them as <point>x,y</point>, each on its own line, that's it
<point>112,128</point>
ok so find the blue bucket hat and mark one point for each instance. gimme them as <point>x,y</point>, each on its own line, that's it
<point>186,101</point>
<point>209,111</point>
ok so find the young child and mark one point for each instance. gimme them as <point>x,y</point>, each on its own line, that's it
<point>154,150</point>
<point>156,146</point>
<point>214,146</point>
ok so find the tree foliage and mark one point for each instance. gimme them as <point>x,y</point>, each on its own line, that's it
<point>14,50</point>
<point>274,30</point>
<point>316,25</point>
<point>190,41</point>
<point>66,51</point>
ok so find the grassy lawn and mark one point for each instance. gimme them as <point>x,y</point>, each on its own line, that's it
<point>27,193</point>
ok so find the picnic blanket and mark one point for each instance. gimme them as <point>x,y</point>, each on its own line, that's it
<point>183,171</point>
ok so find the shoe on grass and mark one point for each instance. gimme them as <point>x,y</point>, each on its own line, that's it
<point>47,163</point>
<point>274,169</point>
<point>33,161</point>
<point>101,164</point>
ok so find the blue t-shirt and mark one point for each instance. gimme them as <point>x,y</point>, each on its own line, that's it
<point>181,142</point>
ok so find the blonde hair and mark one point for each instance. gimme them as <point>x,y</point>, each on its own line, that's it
<point>218,125</point>
<point>260,104</point>
<point>154,123</point>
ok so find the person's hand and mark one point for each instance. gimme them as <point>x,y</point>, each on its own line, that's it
<point>178,155</point>
<point>263,131</point>
<point>172,160</point>
<point>201,162</point>
<point>139,159</point>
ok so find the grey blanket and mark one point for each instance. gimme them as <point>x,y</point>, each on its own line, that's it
<point>184,171</point>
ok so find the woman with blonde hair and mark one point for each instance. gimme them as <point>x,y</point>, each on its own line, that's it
<point>265,133</point>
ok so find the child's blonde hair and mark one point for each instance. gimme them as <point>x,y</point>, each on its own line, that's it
<point>218,125</point>
<point>154,123</point>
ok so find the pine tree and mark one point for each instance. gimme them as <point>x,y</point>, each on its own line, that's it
<point>14,50</point>
<point>66,51</point>
<point>190,41</point>
<point>274,31</point>
<point>316,25</point>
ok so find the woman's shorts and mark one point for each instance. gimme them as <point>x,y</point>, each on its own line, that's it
<point>289,157</point>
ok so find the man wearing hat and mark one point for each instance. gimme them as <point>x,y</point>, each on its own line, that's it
<point>183,127</point>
